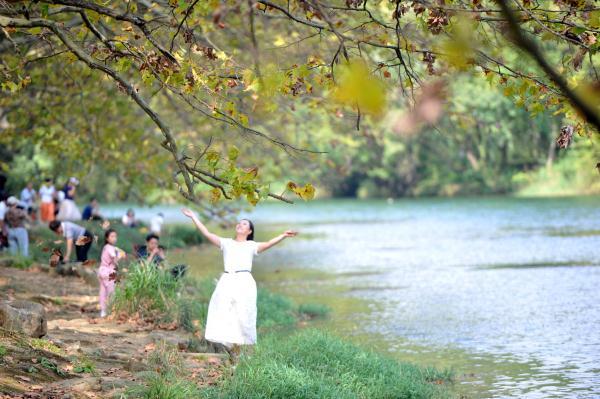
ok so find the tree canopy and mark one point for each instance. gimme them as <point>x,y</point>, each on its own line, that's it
<point>200,88</point>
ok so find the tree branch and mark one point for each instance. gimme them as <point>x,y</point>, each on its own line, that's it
<point>532,49</point>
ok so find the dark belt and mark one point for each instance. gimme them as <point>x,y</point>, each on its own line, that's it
<point>238,271</point>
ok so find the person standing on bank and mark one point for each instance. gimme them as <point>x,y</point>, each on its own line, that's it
<point>107,272</point>
<point>47,195</point>
<point>18,238</point>
<point>75,234</point>
<point>231,316</point>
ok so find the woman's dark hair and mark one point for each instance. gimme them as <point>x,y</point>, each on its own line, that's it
<point>54,225</point>
<point>151,236</point>
<point>107,233</point>
<point>251,235</point>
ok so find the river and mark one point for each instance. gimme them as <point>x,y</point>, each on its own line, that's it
<point>505,291</point>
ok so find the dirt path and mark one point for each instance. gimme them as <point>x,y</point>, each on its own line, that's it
<point>83,357</point>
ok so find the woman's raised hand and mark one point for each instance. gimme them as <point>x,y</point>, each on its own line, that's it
<point>290,233</point>
<point>188,212</point>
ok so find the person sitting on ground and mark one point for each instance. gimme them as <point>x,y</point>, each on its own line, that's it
<point>75,234</point>
<point>92,211</point>
<point>129,218</point>
<point>152,252</point>
<point>18,238</point>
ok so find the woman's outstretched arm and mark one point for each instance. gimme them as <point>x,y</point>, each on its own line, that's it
<point>263,246</point>
<point>213,238</point>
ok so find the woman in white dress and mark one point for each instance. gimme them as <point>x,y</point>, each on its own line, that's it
<point>232,309</point>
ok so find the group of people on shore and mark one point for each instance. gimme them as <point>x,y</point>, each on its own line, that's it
<point>42,206</point>
<point>232,309</point>
<point>48,205</point>
<point>58,209</point>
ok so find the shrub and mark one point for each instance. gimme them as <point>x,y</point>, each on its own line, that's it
<point>274,310</point>
<point>148,291</point>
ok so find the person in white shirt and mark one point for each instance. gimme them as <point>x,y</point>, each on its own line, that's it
<point>76,236</point>
<point>156,223</point>
<point>3,208</point>
<point>231,319</point>
<point>47,194</point>
<point>28,197</point>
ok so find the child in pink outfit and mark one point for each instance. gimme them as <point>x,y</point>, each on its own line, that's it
<point>107,272</point>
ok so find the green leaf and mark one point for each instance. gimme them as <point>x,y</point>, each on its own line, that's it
<point>213,157</point>
<point>233,153</point>
<point>595,19</point>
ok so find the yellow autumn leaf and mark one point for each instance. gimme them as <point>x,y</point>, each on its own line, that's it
<point>252,198</point>
<point>458,50</point>
<point>356,86</point>
<point>279,41</point>
<point>308,192</point>
<point>215,195</point>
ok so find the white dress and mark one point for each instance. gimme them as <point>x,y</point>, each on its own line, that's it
<point>232,308</point>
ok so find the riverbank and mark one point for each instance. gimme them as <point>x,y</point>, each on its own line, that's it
<point>133,356</point>
<point>81,356</point>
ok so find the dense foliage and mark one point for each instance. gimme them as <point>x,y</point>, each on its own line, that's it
<point>206,98</point>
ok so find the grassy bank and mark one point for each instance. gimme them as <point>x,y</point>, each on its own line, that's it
<point>287,362</point>
<point>313,364</point>
<point>305,364</point>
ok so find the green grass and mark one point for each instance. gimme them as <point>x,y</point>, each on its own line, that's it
<point>42,344</point>
<point>17,261</point>
<point>274,310</point>
<point>307,364</point>
<point>149,291</point>
<point>84,365</point>
<point>313,364</point>
<point>50,365</point>
<point>3,351</point>
<point>313,310</point>
<point>167,380</point>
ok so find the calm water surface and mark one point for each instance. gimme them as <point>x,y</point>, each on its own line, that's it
<point>505,291</point>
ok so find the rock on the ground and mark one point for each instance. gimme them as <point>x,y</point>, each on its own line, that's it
<point>24,316</point>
